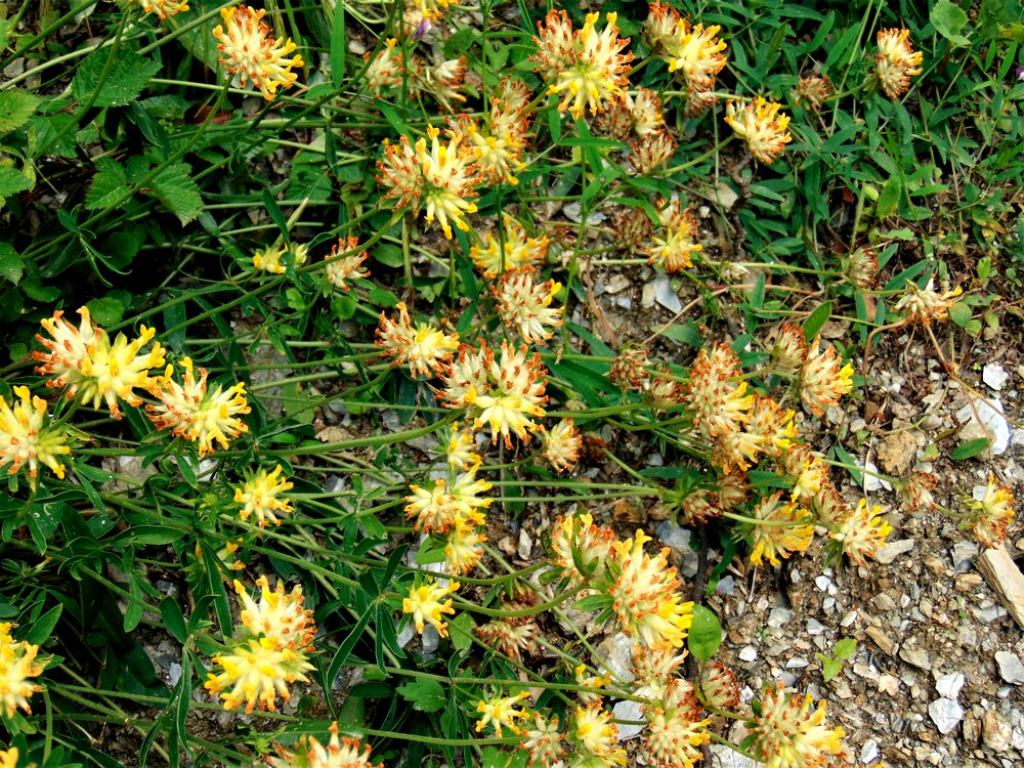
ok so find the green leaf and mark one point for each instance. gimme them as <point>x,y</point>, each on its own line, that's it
<point>133,611</point>
<point>175,188</point>
<point>949,21</point>
<point>174,619</point>
<point>845,648</point>
<point>705,634</point>
<point>889,198</point>
<point>109,186</point>
<point>829,667</point>
<point>339,44</point>
<point>13,181</point>
<point>960,313</point>
<point>111,78</point>
<point>424,695</point>
<point>969,449</point>
<point>345,649</point>
<point>106,311</point>
<point>12,266</point>
<point>460,630</point>
<point>16,107</point>
<point>817,319</point>
<point>44,625</point>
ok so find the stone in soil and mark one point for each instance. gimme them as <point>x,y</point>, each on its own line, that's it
<point>1010,667</point>
<point>946,714</point>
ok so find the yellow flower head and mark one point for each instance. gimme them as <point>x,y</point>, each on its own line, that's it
<point>426,603</point>
<point>164,8</point>
<point>863,533</point>
<point>809,472</point>
<point>585,66</point>
<point>926,305</point>
<point>562,445</point>
<point>464,547</point>
<point>897,61</point>
<point>9,758</point>
<point>28,438</point>
<point>655,666</point>
<point>277,616</point>
<point>85,361</point>
<point>269,259</point>
<point>646,594</point>
<point>696,53</point>
<point>525,305</point>
<point>517,250</point>
<point>785,530</point>
<point>505,393</point>
<point>773,424</point>
<point>648,118</point>
<point>461,448</point>
<point>439,179</point>
<point>437,509</point>
<point>498,150</point>
<point>17,664</point>
<point>255,672</point>
<point>248,49</point>
<point>260,495</point>
<point>675,730</point>
<point>196,413</point>
<point>661,25</point>
<point>501,713</point>
<point>761,125</point>
<point>341,269</point>
<point>823,381</point>
<point>991,515</point>
<point>580,547</point>
<point>345,752</point>
<point>596,736</point>
<point>790,733</point>
<point>386,67</point>
<point>674,250</point>
<point>424,348</point>
<point>719,402</point>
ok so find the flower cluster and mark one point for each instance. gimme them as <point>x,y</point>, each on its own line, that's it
<point>425,349</point>
<point>343,752</point>
<point>269,652</point>
<point>427,605</point>
<point>897,61</point>
<point>275,258</point>
<point>342,268</point>
<point>790,731</point>
<point>250,52</point>
<point>692,51</point>
<point>28,437</point>
<point>164,9</point>
<point>674,250</point>
<point>260,495</point>
<point>761,125</point>
<point>510,250</point>
<point>524,304</point>
<point>989,517</point>
<point>17,664</point>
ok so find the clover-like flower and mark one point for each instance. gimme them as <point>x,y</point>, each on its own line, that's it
<point>897,61</point>
<point>255,673</point>
<point>525,305</point>
<point>513,251</point>
<point>278,615</point>
<point>761,125</point>
<point>562,445</point>
<point>269,259</point>
<point>343,752</point>
<point>164,9</point>
<point>581,547</point>
<point>260,495</point>
<point>990,516</point>
<point>191,410</point>
<point>17,664</point>
<point>543,742</point>
<point>595,736</point>
<point>785,529</point>
<point>501,712</point>
<point>424,348</point>
<point>510,636</point>
<point>28,438</point>
<point>790,732</point>
<point>249,50</point>
<point>720,401</point>
<point>695,52</point>
<point>675,729</point>
<point>427,605</point>
<point>926,305</point>
<point>340,268</point>
<point>463,547</point>
<point>824,379</point>
<point>863,533</point>
<point>674,250</point>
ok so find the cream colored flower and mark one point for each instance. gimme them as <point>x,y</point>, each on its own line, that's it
<point>596,736</point>
<point>863,533</point>
<point>926,305</point>
<point>516,249</point>
<point>424,348</point>
<point>260,495</point>
<point>991,515</point>
<point>673,251</point>
<point>164,9</point>
<point>675,729</point>
<point>562,445</point>
<point>785,529</point>
<point>823,381</point>
<point>255,673</point>
<point>28,438</point>
<point>501,712</point>
<point>345,752</point>
<point>17,664</point>
<point>248,49</point>
<point>696,53</point>
<point>341,269</point>
<point>525,305</point>
<point>789,732</point>
<point>761,125</point>
<point>897,61</point>
<point>427,605</point>
<point>277,616</point>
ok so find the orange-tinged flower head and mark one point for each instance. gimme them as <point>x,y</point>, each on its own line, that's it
<point>646,594</point>
<point>27,438</point>
<point>255,673</point>
<point>696,53</point>
<point>651,151</point>
<point>164,9</point>
<point>443,80</point>
<point>500,712</point>
<point>278,616</point>
<point>543,742</point>
<point>789,350</point>
<point>426,603</point>
<point>808,470</point>
<point>654,666</point>
<point>991,515</point>
<point>897,61</point>
<point>512,637</point>
<point>525,305</point>
<point>342,268</point>
<point>661,25</point>
<point>562,445</point>
<point>17,664</point>
<point>648,118</point>
<point>861,268</point>
<point>343,752</point>
<point>191,410</point>
<point>498,149</point>
<point>516,249</point>
<point>385,68</point>
<point>629,369</point>
<point>85,362</point>
<point>822,380</point>
<point>250,51</point>
<point>918,491</point>
<point>813,91</point>
<point>675,729</point>
<point>595,735</point>
<point>260,495</point>
<point>461,448</point>
<point>585,66</point>
<point>674,249</point>
<point>830,507</point>
<point>719,686</point>
<point>785,529</point>
<point>424,348</point>
<point>789,732</point>
<point>761,125</point>
<point>699,102</point>
<point>720,403</point>
<point>773,424</point>
<point>863,533</point>
<point>926,305</point>
<point>464,547</point>
<point>581,547</point>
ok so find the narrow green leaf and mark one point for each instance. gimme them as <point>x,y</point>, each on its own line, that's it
<point>174,619</point>
<point>345,649</point>
<point>43,628</point>
<point>339,44</point>
<point>817,319</point>
<point>969,449</point>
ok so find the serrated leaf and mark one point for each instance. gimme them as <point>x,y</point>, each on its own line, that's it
<point>106,311</point>
<point>175,188</point>
<point>109,186</point>
<point>16,107</point>
<point>124,79</point>
<point>424,695</point>
<point>12,266</point>
<point>969,449</point>
<point>705,634</point>
<point>949,21</point>
<point>13,181</point>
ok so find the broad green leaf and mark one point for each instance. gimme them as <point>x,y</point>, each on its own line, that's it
<point>424,695</point>
<point>16,107</point>
<point>845,648</point>
<point>960,313</point>
<point>12,266</point>
<point>460,630</point>
<point>705,634</point>
<point>889,198</point>
<point>175,188</point>
<point>44,625</point>
<point>111,78</point>
<point>106,311</point>
<point>949,21</point>
<point>109,186</point>
<point>969,449</point>
<point>13,181</point>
